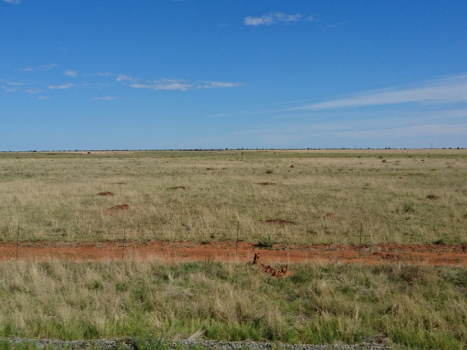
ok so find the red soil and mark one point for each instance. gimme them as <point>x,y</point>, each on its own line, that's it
<point>120,207</point>
<point>436,255</point>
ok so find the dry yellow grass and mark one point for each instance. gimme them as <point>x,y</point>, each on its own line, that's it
<point>329,195</point>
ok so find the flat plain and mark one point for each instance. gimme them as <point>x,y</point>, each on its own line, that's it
<point>313,198</point>
<point>388,196</point>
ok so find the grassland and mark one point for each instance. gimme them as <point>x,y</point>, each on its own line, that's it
<point>416,306</point>
<point>53,196</point>
<point>390,196</point>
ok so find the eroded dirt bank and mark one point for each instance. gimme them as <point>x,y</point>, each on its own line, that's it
<point>435,255</point>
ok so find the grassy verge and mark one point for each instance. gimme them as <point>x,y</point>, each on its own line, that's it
<point>415,306</point>
<point>399,196</point>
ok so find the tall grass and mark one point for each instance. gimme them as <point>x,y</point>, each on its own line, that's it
<point>53,196</point>
<point>416,306</point>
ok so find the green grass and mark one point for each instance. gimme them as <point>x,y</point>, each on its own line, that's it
<point>416,306</point>
<point>52,196</point>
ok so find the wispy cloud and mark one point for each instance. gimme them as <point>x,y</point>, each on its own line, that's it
<point>123,77</point>
<point>43,97</point>
<point>271,18</point>
<point>71,73</point>
<point>14,2</point>
<point>33,91</point>
<point>444,90</point>
<point>174,84</point>
<point>63,86</point>
<point>141,86</point>
<point>106,98</point>
<point>12,83</point>
<point>27,69</point>
<point>408,131</point>
<point>220,84</point>
<point>9,89</point>
<point>168,84</point>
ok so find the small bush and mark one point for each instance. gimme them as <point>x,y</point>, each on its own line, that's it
<point>266,241</point>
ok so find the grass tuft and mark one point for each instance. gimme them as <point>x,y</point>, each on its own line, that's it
<point>266,241</point>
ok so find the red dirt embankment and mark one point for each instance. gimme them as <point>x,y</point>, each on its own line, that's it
<point>436,255</point>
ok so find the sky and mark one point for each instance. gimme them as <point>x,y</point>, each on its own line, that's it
<point>189,74</point>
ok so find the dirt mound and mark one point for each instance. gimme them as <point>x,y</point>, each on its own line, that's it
<point>269,270</point>
<point>120,207</point>
<point>178,188</point>
<point>209,168</point>
<point>432,197</point>
<point>266,183</point>
<point>292,166</point>
<point>105,194</point>
<point>280,222</point>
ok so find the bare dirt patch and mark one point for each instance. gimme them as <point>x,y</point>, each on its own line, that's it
<point>271,271</point>
<point>432,254</point>
<point>105,194</point>
<point>120,207</point>
<point>280,222</point>
<point>266,183</point>
<point>178,188</point>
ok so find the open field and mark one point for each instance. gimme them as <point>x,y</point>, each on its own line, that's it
<point>389,213</point>
<point>387,196</point>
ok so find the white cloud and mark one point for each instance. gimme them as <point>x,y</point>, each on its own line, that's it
<point>27,69</point>
<point>141,86</point>
<point>220,84</point>
<point>271,18</point>
<point>174,84</point>
<point>71,73</point>
<point>445,90</point>
<point>15,2</point>
<point>171,85</point>
<point>63,86</point>
<point>123,77</point>
<point>106,98</point>
<point>7,89</point>
<point>43,97</point>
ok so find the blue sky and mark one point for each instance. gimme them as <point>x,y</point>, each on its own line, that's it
<point>162,74</point>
